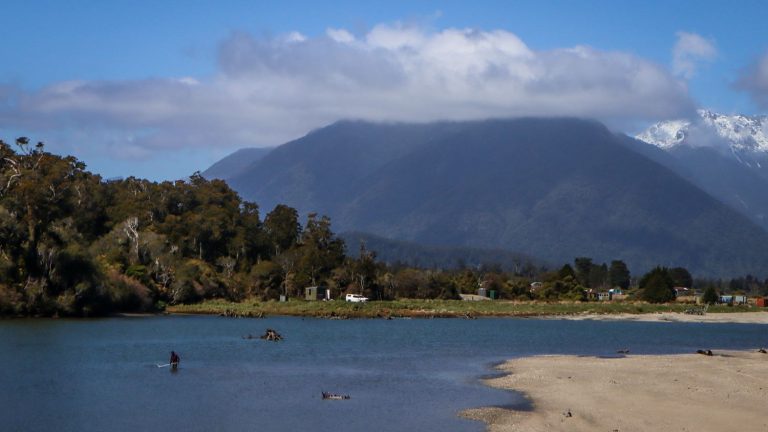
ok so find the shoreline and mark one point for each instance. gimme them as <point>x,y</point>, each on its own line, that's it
<point>410,308</point>
<point>756,317</point>
<point>678,392</point>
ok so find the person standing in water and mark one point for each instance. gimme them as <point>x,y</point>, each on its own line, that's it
<point>175,359</point>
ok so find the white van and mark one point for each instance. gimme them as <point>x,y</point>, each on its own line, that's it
<point>356,298</point>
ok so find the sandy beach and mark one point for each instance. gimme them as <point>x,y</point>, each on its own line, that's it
<point>725,392</point>
<point>759,317</point>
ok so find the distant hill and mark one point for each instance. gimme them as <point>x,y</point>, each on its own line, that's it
<point>550,188</point>
<point>235,163</point>
<point>319,171</point>
<point>444,257</point>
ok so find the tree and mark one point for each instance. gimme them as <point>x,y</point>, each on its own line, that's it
<point>565,272</point>
<point>583,266</point>
<point>598,276</point>
<point>710,295</point>
<point>321,251</point>
<point>408,283</point>
<point>364,273</point>
<point>282,228</point>
<point>38,188</point>
<point>618,274</point>
<point>681,277</point>
<point>657,286</point>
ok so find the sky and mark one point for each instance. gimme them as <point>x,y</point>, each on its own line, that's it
<point>161,89</point>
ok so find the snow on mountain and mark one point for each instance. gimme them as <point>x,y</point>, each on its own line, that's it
<point>743,134</point>
<point>665,134</point>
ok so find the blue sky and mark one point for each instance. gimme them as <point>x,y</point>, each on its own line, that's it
<point>161,89</point>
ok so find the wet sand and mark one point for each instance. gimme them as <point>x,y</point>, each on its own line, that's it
<point>725,392</point>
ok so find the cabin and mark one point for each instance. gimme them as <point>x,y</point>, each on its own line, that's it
<point>617,294</point>
<point>484,292</point>
<point>314,293</point>
<point>733,299</point>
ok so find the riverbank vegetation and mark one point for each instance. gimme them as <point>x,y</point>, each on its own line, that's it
<point>413,308</point>
<point>73,244</point>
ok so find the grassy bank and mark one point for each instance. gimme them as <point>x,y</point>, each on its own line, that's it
<point>428,308</point>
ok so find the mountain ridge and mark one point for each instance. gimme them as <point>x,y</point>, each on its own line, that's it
<point>550,188</point>
<point>727,156</point>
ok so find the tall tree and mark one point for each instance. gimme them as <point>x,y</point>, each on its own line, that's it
<point>681,277</point>
<point>657,286</point>
<point>583,266</point>
<point>619,275</point>
<point>320,249</point>
<point>282,228</point>
<point>710,295</point>
<point>598,275</point>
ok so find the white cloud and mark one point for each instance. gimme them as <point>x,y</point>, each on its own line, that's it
<point>270,90</point>
<point>340,35</point>
<point>755,81</point>
<point>689,51</point>
<point>295,37</point>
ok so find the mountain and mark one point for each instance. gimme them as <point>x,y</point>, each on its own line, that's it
<point>445,257</point>
<point>319,172</point>
<point>235,163</point>
<point>743,137</point>
<point>550,188</point>
<point>726,156</point>
<point>742,133</point>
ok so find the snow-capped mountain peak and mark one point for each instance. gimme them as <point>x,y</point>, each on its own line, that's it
<point>666,134</point>
<point>743,134</point>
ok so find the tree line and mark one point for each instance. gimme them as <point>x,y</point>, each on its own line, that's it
<point>73,244</point>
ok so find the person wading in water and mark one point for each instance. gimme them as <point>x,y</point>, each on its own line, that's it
<point>175,359</point>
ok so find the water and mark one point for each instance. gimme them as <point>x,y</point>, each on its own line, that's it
<point>403,375</point>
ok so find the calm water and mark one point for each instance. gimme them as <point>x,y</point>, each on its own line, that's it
<point>403,375</point>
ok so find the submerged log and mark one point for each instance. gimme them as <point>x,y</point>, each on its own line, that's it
<point>271,335</point>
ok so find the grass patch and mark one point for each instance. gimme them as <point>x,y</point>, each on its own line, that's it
<point>339,309</point>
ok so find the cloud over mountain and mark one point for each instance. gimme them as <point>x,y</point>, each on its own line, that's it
<point>689,52</point>
<point>268,90</point>
<point>755,81</point>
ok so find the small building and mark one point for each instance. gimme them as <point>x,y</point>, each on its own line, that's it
<point>604,296</point>
<point>473,297</point>
<point>482,292</point>
<point>314,293</point>
<point>733,299</point>
<point>761,302</point>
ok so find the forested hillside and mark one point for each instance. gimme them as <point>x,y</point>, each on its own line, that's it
<point>73,244</point>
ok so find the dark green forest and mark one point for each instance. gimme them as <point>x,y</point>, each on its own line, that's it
<point>73,244</point>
